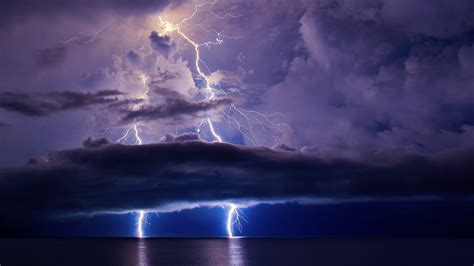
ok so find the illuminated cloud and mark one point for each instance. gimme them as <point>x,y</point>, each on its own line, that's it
<point>357,81</point>
<point>376,78</point>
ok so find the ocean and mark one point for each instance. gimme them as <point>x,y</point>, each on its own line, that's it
<point>237,251</point>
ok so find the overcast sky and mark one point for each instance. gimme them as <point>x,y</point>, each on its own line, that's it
<point>328,98</point>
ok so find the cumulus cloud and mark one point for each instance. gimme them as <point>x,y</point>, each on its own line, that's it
<point>378,77</point>
<point>355,79</point>
<point>43,104</point>
<point>115,177</point>
<point>171,78</point>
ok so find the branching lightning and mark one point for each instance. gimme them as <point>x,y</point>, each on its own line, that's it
<point>169,28</point>
<point>234,219</point>
<point>213,131</point>
<point>84,37</point>
<point>136,133</point>
<point>247,122</point>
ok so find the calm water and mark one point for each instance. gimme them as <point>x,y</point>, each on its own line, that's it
<point>242,251</point>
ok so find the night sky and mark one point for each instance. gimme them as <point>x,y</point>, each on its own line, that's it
<point>313,118</point>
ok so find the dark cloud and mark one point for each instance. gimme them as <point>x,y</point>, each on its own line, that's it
<point>2,124</point>
<point>116,177</point>
<point>172,109</point>
<point>95,143</point>
<point>180,138</point>
<point>124,103</point>
<point>161,44</point>
<point>283,147</point>
<point>353,78</point>
<point>43,104</point>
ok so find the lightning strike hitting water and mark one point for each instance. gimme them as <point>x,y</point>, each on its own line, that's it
<point>234,219</point>
<point>141,214</point>
<point>141,218</point>
<point>248,122</point>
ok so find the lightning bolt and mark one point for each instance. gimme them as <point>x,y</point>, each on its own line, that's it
<point>213,131</point>
<point>136,134</point>
<point>169,28</point>
<point>83,37</point>
<point>138,140</point>
<point>140,223</point>
<point>234,219</point>
<point>247,122</point>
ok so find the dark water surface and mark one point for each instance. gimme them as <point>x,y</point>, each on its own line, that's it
<point>239,251</point>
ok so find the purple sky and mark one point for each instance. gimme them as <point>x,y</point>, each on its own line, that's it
<point>352,78</point>
<point>336,84</point>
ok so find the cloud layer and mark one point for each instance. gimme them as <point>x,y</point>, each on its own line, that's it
<point>43,104</point>
<point>114,177</point>
<point>174,109</point>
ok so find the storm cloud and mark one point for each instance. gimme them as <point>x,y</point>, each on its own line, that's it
<point>161,44</point>
<point>114,177</point>
<point>43,104</point>
<point>173,108</point>
<point>380,76</point>
<point>377,94</point>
